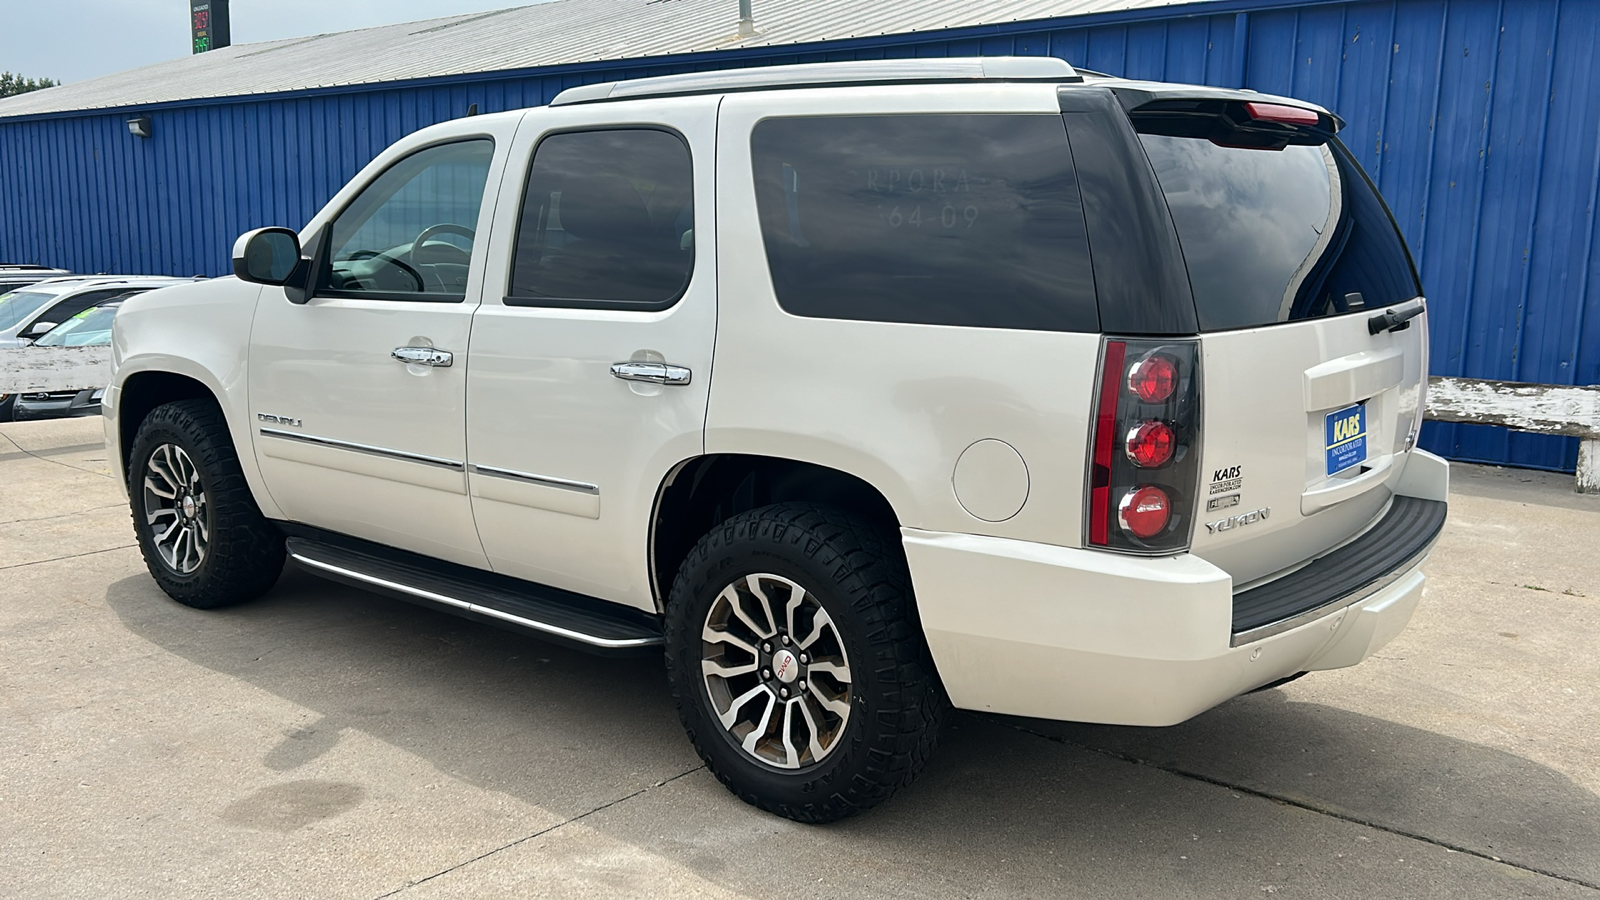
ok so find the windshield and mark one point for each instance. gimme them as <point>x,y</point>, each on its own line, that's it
<point>1279,232</point>
<point>90,328</point>
<point>19,305</point>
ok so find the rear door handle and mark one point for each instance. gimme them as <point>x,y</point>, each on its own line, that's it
<point>424,356</point>
<point>651,373</point>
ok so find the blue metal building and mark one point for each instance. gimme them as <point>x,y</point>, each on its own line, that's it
<point>1479,119</point>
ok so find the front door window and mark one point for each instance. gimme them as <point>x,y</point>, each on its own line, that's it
<point>410,234</point>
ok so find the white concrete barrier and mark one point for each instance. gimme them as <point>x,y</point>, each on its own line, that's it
<point>54,369</point>
<point>1568,410</point>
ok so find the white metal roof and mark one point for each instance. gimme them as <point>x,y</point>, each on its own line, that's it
<point>547,34</point>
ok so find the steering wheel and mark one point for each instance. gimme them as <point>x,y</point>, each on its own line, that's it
<point>384,278</point>
<point>433,231</point>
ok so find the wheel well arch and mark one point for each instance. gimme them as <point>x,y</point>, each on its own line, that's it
<point>142,393</point>
<point>701,493</point>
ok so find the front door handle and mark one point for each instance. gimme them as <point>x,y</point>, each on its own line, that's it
<point>651,373</point>
<point>424,356</point>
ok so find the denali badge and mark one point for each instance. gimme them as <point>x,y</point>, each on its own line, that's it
<point>1249,518</point>
<point>278,420</point>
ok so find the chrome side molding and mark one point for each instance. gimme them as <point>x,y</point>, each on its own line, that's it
<point>582,487</point>
<point>368,449</point>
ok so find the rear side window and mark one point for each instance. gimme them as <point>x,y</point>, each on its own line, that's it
<point>937,219</point>
<point>607,222</point>
<point>77,303</point>
<point>1275,232</point>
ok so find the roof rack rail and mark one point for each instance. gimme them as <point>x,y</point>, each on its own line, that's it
<point>829,74</point>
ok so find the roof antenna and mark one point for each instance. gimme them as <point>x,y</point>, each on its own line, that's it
<point>472,110</point>
<point>747,20</point>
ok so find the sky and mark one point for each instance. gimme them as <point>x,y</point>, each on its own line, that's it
<point>89,38</point>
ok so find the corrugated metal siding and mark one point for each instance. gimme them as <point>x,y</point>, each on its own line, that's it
<point>1479,119</point>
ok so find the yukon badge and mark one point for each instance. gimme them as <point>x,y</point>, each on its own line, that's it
<point>1231,522</point>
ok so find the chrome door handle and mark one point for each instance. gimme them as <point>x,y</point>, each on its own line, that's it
<point>424,356</point>
<point>652,373</point>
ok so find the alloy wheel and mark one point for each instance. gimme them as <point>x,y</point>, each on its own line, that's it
<point>175,508</point>
<point>776,671</point>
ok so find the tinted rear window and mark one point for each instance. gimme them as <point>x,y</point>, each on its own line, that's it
<point>936,219</point>
<point>1279,235</point>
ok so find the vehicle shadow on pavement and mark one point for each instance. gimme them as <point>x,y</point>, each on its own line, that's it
<point>1019,803</point>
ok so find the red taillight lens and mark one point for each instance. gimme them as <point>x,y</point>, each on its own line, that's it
<point>1145,512</point>
<point>1277,112</point>
<point>1143,464</point>
<point>1151,444</point>
<point>1153,379</point>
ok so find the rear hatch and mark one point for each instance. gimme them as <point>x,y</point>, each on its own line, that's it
<point>1310,406</point>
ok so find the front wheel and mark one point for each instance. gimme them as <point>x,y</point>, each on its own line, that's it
<point>203,538</point>
<point>798,667</point>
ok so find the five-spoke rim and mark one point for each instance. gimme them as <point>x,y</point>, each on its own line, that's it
<point>776,671</point>
<point>175,509</point>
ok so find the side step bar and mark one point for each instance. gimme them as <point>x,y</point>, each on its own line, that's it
<point>585,623</point>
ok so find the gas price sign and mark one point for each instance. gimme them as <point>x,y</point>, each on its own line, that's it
<point>208,25</point>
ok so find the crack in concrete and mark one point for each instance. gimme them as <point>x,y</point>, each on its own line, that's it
<point>63,515</point>
<point>52,461</point>
<point>1314,808</point>
<point>540,833</point>
<point>40,562</point>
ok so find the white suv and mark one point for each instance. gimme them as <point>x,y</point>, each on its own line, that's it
<point>864,389</point>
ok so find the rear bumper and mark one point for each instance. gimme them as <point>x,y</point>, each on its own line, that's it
<point>1061,633</point>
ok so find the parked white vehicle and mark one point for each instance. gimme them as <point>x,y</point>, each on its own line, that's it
<point>863,388</point>
<point>28,313</point>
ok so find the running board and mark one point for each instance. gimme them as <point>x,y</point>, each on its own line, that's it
<point>586,623</point>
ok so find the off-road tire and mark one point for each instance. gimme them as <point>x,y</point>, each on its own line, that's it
<point>245,553</point>
<point>860,578</point>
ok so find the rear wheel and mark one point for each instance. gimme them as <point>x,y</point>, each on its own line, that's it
<point>203,538</point>
<point>799,670</point>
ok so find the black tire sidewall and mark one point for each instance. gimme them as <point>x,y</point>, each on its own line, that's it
<point>245,552</point>
<point>152,436</point>
<point>853,775</point>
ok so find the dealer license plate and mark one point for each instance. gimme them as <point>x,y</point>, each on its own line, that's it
<point>1346,434</point>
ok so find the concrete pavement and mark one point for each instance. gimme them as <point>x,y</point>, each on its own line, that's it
<point>325,742</point>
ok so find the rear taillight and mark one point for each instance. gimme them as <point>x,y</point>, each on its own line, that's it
<point>1146,512</point>
<point>1153,379</point>
<point>1151,444</point>
<point>1145,449</point>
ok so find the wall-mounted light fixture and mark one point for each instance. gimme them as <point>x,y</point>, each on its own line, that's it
<point>139,127</point>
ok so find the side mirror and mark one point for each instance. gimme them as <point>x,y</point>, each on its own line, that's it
<point>271,256</point>
<point>38,329</point>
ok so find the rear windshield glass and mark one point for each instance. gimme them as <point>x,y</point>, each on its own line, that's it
<point>968,220</point>
<point>1279,235</point>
